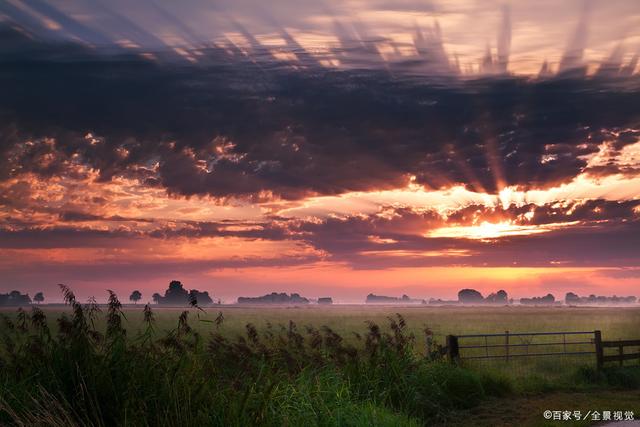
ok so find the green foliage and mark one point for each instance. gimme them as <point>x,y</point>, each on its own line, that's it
<point>627,377</point>
<point>94,366</point>
<point>286,375</point>
<point>623,376</point>
<point>496,383</point>
<point>460,388</point>
<point>589,375</point>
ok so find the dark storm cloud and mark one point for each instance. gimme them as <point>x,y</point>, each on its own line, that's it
<point>62,237</point>
<point>17,234</point>
<point>76,216</point>
<point>230,127</point>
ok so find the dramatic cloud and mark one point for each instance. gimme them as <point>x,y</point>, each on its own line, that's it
<point>331,134</point>
<point>233,128</point>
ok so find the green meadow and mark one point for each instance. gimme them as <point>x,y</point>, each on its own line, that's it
<point>614,322</point>
<point>340,365</point>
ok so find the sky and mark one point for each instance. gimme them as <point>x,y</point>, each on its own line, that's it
<point>329,148</point>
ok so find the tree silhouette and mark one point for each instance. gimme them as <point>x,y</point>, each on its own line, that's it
<point>39,297</point>
<point>200,298</point>
<point>547,299</point>
<point>135,296</point>
<point>15,298</point>
<point>176,294</point>
<point>499,297</point>
<point>571,298</point>
<point>274,298</point>
<point>470,296</point>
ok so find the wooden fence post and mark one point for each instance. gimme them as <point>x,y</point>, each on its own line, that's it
<point>621,354</point>
<point>453,351</point>
<point>597,339</point>
<point>506,345</point>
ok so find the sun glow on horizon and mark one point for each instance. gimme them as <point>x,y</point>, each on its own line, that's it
<point>487,230</point>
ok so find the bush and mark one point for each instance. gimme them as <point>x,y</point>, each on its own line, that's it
<point>623,376</point>
<point>616,376</point>
<point>589,375</point>
<point>459,386</point>
<point>496,384</point>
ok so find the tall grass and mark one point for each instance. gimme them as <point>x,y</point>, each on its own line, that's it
<point>282,375</point>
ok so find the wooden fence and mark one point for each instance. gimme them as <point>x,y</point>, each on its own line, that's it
<point>620,345</point>
<point>508,346</point>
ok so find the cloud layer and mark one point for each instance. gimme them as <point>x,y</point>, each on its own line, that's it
<point>236,155</point>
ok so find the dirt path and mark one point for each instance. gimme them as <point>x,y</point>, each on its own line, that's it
<point>528,411</point>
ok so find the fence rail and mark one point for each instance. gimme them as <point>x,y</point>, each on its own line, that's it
<point>459,347</point>
<point>516,334</point>
<point>590,343</point>
<point>624,343</point>
<point>601,358</point>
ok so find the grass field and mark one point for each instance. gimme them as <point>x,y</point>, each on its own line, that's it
<point>318,372</point>
<point>347,320</point>
<point>614,322</point>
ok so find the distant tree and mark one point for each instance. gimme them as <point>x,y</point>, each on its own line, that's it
<point>199,298</point>
<point>499,297</point>
<point>274,298</point>
<point>156,298</point>
<point>383,299</point>
<point>574,299</point>
<point>325,300</point>
<point>470,296</point>
<point>176,294</point>
<point>39,297</point>
<point>373,299</point>
<point>15,298</point>
<point>22,299</point>
<point>571,298</point>
<point>135,296</point>
<point>547,299</point>
<point>297,299</point>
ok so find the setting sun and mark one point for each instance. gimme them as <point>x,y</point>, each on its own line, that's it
<point>488,230</point>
